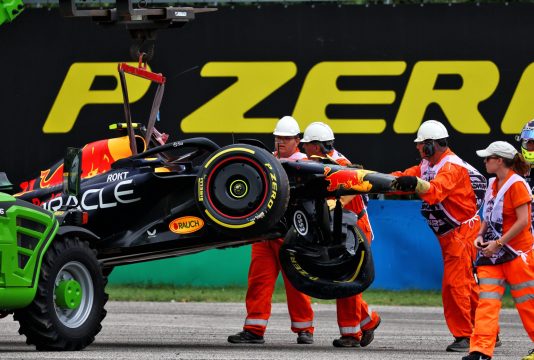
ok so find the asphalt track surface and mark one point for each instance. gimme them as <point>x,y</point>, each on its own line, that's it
<point>142,330</point>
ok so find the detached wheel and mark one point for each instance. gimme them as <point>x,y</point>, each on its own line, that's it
<point>242,189</point>
<point>68,308</point>
<point>328,272</point>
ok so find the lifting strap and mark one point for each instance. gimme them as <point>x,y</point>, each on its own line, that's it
<point>140,71</point>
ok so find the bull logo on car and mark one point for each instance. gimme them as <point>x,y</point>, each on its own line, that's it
<point>348,179</point>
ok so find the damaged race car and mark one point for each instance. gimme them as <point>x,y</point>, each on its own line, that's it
<point>144,198</point>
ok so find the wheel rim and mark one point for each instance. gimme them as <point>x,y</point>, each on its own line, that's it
<point>68,294</point>
<point>74,272</point>
<point>236,188</point>
<point>334,263</point>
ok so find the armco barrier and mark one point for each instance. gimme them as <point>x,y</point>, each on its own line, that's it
<point>406,253</point>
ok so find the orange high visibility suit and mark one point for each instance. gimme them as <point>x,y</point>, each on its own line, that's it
<point>518,273</point>
<point>353,313</point>
<point>262,275</point>
<point>451,187</point>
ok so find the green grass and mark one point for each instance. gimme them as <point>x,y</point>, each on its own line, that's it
<point>237,294</point>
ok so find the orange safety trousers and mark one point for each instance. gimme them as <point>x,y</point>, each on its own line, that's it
<point>459,289</point>
<point>262,275</point>
<point>519,274</point>
<point>353,313</point>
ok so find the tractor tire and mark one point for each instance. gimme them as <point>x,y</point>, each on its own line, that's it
<point>329,272</point>
<point>68,308</point>
<point>242,190</point>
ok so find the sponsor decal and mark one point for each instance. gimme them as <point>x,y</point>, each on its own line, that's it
<point>434,223</point>
<point>151,233</point>
<point>186,225</point>
<point>349,179</point>
<point>117,176</point>
<point>301,222</point>
<point>299,268</point>
<point>48,180</point>
<point>92,199</point>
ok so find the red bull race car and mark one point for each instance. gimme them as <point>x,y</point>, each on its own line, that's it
<point>145,198</point>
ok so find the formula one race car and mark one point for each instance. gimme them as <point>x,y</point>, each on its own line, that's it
<point>148,199</point>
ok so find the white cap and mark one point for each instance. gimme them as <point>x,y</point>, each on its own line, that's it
<point>431,129</point>
<point>286,126</point>
<point>499,148</point>
<point>317,131</point>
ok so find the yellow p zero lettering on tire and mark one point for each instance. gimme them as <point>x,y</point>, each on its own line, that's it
<point>230,226</point>
<point>299,268</point>
<point>274,185</point>
<point>355,275</point>
<point>226,151</point>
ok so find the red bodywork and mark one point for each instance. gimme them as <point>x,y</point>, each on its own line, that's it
<point>97,158</point>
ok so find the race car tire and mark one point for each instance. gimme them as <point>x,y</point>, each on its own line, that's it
<point>242,190</point>
<point>68,308</point>
<point>339,277</point>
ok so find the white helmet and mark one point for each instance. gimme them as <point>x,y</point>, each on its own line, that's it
<point>317,131</point>
<point>431,129</point>
<point>286,126</point>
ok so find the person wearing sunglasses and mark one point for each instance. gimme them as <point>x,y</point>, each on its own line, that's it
<point>504,245</point>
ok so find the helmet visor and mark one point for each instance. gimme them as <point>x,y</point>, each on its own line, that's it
<point>525,144</point>
<point>527,134</point>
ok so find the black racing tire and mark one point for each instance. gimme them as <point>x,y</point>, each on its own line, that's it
<point>50,326</point>
<point>341,275</point>
<point>242,190</point>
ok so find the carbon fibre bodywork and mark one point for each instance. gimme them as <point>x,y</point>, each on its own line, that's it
<point>192,195</point>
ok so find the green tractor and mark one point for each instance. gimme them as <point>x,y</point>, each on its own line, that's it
<point>50,278</point>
